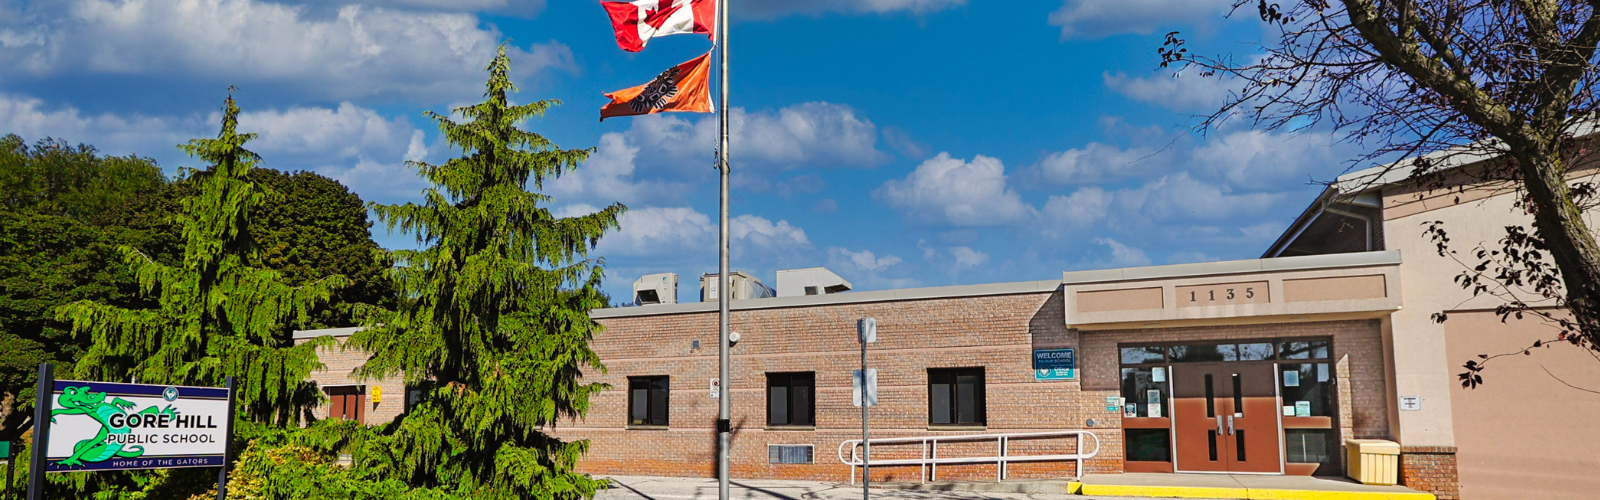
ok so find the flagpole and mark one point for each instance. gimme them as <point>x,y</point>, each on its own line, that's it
<point>724,427</point>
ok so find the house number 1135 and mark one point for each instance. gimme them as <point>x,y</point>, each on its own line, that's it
<point>1224,293</point>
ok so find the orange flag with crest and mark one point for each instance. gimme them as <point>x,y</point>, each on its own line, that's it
<point>685,88</point>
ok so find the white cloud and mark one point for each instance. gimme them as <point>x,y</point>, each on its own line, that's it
<point>525,8</point>
<point>155,136</point>
<point>660,231</point>
<point>814,133</point>
<point>345,132</point>
<point>1101,18</point>
<point>357,51</point>
<point>351,144</point>
<point>608,177</point>
<point>1097,162</point>
<point>826,206</point>
<point>683,233</point>
<point>1262,160</point>
<point>1181,198</point>
<point>768,9</point>
<point>902,142</point>
<point>1190,93</point>
<point>1079,210</point>
<point>354,145</point>
<point>945,190</point>
<point>1124,255</point>
<point>863,261</point>
<point>758,232</point>
<point>967,258</point>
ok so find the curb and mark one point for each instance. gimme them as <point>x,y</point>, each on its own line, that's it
<point>1047,487</point>
<point>1243,493</point>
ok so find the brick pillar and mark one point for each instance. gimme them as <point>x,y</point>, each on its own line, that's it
<point>1430,469</point>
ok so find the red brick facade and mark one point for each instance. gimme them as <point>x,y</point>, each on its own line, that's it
<point>1431,469</point>
<point>997,332</point>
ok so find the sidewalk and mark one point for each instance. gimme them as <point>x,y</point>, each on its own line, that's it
<point>675,488</point>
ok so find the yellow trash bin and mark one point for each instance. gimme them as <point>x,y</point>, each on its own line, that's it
<point>1373,461</point>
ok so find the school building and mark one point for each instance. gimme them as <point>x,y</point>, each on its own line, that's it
<point>1263,366</point>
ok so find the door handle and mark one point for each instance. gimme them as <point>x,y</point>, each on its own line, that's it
<point>1230,424</point>
<point>1219,425</point>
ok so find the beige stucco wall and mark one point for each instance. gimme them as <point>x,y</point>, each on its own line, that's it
<point>1524,433</point>
<point>1423,365</point>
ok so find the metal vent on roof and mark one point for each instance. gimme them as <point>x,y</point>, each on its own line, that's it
<point>789,453</point>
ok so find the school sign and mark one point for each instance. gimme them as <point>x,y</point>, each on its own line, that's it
<point>111,426</point>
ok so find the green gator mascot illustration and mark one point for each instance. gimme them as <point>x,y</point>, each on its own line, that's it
<point>79,401</point>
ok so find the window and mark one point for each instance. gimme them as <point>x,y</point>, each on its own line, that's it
<point>789,454</point>
<point>1147,445</point>
<point>1307,389</point>
<point>647,400</point>
<point>955,396</point>
<point>1313,446</point>
<point>1193,353</point>
<point>791,399</point>
<point>415,393</point>
<point>1145,390</point>
<point>1315,349</point>
<point>811,290</point>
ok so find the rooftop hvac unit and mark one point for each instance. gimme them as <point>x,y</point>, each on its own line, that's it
<point>742,286</point>
<point>813,281</point>
<point>656,289</point>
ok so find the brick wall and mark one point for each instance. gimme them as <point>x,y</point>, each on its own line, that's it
<point>995,332</point>
<point>1431,469</point>
<point>339,362</point>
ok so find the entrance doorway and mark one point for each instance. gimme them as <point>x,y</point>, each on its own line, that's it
<point>1261,406</point>
<point>1225,418</point>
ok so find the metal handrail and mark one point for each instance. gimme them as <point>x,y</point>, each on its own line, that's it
<point>928,465</point>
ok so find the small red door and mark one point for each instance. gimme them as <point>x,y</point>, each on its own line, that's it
<point>346,403</point>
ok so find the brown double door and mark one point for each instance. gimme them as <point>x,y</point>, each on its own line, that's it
<point>1225,418</point>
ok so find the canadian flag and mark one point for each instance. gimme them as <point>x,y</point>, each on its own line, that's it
<point>638,21</point>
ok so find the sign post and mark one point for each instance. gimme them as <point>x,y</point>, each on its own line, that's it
<point>867,330</point>
<point>11,468</point>
<point>227,447</point>
<point>41,431</point>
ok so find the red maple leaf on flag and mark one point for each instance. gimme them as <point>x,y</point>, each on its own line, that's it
<point>658,16</point>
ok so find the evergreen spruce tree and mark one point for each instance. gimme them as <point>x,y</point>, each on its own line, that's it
<point>220,313</point>
<point>495,316</point>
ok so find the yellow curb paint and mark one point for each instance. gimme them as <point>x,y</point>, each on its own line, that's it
<point>1111,490</point>
<point>1074,488</point>
<point>1241,493</point>
<point>1270,494</point>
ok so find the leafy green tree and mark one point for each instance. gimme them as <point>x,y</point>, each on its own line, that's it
<point>496,319</point>
<point>219,312</point>
<point>320,228</point>
<point>46,261</point>
<point>56,178</point>
<point>49,255</point>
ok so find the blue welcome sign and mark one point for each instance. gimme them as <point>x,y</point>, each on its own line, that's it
<point>1055,364</point>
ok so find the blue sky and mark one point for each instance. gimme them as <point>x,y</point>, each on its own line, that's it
<point>900,143</point>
